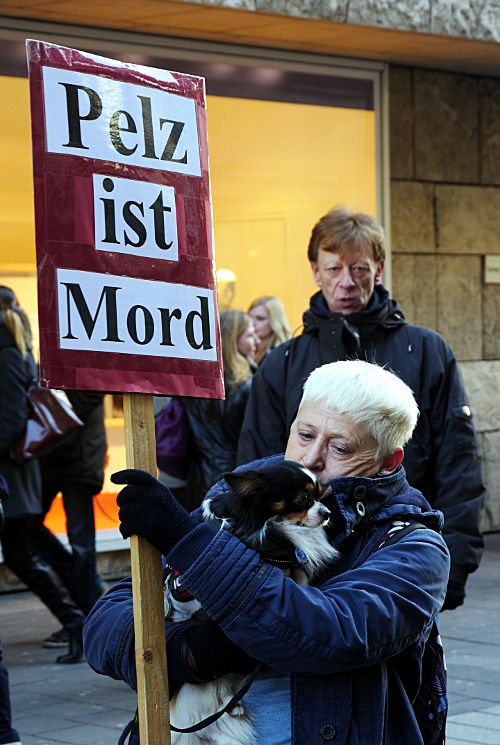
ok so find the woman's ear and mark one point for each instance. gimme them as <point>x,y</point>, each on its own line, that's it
<point>393,461</point>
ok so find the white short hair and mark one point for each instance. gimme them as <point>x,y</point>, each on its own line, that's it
<point>370,395</point>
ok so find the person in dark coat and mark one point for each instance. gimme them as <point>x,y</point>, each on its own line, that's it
<point>76,469</point>
<point>8,735</point>
<point>215,425</point>
<point>352,316</point>
<point>24,505</point>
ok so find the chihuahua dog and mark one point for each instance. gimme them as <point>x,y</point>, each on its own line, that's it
<point>275,511</point>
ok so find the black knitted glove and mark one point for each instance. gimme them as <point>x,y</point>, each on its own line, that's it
<point>214,654</point>
<point>179,669</point>
<point>455,595</point>
<point>149,509</point>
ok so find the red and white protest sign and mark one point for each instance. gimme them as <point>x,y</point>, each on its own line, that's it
<point>126,277</point>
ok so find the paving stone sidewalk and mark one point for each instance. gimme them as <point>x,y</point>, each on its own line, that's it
<point>472,645</point>
<point>71,705</point>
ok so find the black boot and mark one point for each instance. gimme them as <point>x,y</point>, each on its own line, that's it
<point>21,557</point>
<point>36,575</point>
<point>75,652</point>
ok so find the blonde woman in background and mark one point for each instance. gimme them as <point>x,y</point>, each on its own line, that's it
<point>215,425</point>
<point>271,324</point>
<point>23,508</point>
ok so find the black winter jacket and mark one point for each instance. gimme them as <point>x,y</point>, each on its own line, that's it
<point>442,458</point>
<point>16,374</point>
<point>214,427</point>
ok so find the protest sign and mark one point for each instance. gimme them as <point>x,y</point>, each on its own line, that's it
<point>123,215</point>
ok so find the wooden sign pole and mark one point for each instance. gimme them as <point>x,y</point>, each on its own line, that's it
<point>150,648</point>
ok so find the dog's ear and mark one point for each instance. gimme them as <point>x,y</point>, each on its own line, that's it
<point>244,483</point>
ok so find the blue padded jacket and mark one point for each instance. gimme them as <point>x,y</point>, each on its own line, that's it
<point>352,642</point>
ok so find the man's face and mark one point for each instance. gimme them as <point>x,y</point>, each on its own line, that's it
<point>331,444</point>
<point>347,280</point>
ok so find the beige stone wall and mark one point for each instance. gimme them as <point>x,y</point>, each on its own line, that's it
<point>473,19</point>
<point>445,209</point>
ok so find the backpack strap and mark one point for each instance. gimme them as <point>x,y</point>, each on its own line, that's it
<point>395,532</point>
<point>385,535</point>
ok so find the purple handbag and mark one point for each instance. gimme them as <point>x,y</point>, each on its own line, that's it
<point>172,440</point>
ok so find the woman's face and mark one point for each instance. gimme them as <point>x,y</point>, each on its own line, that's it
<point>331,444</point>
<point>248,342</point>
<point>261,322</point>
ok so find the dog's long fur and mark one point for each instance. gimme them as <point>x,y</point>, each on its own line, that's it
<point>275,506</point>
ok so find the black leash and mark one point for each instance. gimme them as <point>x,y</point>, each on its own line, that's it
<point>132,726</point>
<point>213,717</point>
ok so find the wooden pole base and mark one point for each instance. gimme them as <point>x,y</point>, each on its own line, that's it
<point>149,623</point>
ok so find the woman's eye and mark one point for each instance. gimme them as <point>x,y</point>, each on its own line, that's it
<point>359,270</point>
<point>339,449</point>
<point>306,436</point>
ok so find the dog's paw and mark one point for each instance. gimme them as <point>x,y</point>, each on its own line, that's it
<point>237,711</point>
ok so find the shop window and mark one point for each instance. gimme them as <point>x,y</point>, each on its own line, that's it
<point>285,145</point>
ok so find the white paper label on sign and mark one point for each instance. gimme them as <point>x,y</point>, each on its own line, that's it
<point>135,217</point>
<point>105,313</point>
<point>96,117</point>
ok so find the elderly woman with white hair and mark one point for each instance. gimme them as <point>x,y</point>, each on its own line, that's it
<point>343,656</point>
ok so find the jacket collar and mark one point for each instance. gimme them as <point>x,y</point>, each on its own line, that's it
<point>357,503</point>
<point>381,310</point>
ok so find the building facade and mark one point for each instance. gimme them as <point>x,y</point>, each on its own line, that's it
<point>424,155</point>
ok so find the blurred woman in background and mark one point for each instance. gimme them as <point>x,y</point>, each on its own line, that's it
<point>271,324</point>
<point>247,343</point>
<point>215,425</point>
<point>24,505</point>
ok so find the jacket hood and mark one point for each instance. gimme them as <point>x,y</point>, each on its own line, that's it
<point>381,310</point>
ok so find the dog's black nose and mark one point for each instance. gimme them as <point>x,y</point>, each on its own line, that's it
<point>323,512</point>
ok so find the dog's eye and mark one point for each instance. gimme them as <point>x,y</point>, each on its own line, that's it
<point>303,501</point>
